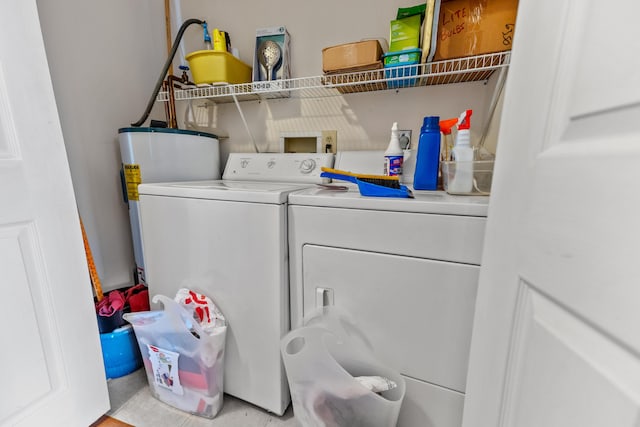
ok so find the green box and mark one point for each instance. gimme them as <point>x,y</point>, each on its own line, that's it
<point>406,57</point>
<point>405,33</point>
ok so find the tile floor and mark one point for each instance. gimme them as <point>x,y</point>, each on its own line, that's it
<point>132,403</point>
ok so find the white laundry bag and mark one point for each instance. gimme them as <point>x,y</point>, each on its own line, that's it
<point>324,360</point>
<point>184,362</point>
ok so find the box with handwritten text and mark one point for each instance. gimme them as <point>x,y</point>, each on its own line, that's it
<point>475,27</point>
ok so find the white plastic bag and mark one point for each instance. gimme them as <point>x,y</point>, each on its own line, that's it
<point>322,361</point>
<point>202,309</point>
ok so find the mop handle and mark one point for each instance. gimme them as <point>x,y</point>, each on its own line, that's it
<point>93,273</point>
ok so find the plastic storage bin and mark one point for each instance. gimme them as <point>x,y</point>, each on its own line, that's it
<point>210,66</point>
<point>321,361</point>
<point>480,170</point>
<point>401,64</point>
<point>169,336</point>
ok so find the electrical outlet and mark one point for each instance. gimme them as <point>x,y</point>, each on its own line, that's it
<point>329,141</point>
<point>405,139</point>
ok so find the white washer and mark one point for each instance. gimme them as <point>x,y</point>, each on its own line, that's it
<point>228,240</point>
<point>405,269</point>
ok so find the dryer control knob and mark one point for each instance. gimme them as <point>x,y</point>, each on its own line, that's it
<point>307,166</point>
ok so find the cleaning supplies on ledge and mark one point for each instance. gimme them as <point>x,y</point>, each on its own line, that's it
<point>463,172</point>
<point>371,185</point>
<point>394,155</point>
<point>447,138</point>
<point>482,177</point>
<point>462,153</point>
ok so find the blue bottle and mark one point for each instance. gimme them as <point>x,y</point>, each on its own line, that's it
<point>428,160</point>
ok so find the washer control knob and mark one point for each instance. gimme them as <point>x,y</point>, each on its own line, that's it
<point>307,166</point>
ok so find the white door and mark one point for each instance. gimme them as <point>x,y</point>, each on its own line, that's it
<point>50,361</point>
<point>556,338</point>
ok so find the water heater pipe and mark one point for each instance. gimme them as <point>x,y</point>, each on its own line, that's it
<point>167,27</point>
<point>167,64</point>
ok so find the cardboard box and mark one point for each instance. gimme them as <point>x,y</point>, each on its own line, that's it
<point>475,27</point>
<point>281,70</point>
<point>351,56</point>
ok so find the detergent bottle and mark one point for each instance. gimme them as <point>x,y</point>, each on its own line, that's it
<point>428,159</point>
<point>462,154</point>
<point>394,155</point>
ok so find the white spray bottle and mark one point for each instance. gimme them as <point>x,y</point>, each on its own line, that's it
<point>462,154</point>
<point>394,155</point>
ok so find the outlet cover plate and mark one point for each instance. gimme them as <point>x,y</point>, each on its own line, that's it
<point>405,138</point>
<point>329,141</point>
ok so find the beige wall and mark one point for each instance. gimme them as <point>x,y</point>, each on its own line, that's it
<point>363,120</point>
<point>106,56</point>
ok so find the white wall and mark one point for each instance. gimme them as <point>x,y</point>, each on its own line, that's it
<point>105,58</point>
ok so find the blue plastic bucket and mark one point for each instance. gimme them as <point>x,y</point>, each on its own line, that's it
<point>120,352</point>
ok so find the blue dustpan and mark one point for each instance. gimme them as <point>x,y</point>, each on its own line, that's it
<point>369,189</point>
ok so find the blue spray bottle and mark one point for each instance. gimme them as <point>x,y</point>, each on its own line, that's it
<point>428,159</point>
<point>207,38</point>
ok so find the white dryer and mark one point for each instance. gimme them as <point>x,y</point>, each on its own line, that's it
<point>405,269</point>
<point>228,239</point>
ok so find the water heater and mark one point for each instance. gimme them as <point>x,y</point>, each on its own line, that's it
<point>160,155</point>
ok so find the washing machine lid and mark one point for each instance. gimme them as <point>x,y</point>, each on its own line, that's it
<point>433,202</point>
<point>241,191</point>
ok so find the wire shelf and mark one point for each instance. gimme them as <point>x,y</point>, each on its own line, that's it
<point>473,68</point>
